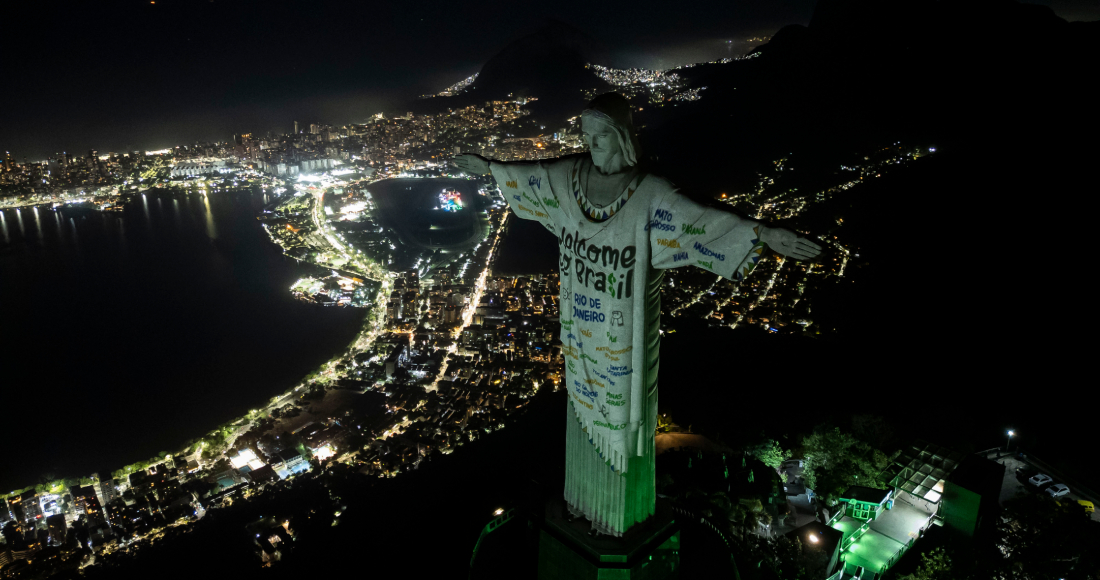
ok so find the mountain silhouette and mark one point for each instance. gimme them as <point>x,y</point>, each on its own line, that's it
<point>548,63</point>
<point>971,74</point>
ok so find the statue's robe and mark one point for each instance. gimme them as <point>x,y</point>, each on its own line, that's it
<point>612,261</point>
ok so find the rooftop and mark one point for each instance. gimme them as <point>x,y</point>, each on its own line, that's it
<point>818,535</point>
<point>920,467</point>
<point>865,494</point>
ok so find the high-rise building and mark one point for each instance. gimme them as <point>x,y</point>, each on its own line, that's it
<point>295,127</point>
<point>32,512</point>
<point>314,129</point>
<point>5,514</point>
<point>15,505</point>
<point>84,499</point>
<point>105,489</point>
<point>55,524</point>
<point>93,512</point>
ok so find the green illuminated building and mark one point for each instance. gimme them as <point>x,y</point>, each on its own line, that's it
<point>927,485</point>
<point>865,503</point>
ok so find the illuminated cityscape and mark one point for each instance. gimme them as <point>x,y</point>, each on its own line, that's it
<point>821,418</point>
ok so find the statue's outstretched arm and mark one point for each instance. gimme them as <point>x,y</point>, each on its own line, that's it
<point>788,243</point>
<point>478,165</point>
<point>683,232</point>
<point>472,164</point>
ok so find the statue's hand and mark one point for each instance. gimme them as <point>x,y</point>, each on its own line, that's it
<point>472,164</point>
<point>789,244</point>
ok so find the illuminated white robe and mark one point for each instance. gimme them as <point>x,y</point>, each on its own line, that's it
<point>611,261</point>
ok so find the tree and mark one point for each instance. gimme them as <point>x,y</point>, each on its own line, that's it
<point>796,560</point>
<point>1038,537</point>
<point>835,460</point>
<point>935,565</point>
<point>873,430</point>
<point>769,453</point>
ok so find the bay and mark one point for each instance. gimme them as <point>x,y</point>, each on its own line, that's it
<point>126,334</point>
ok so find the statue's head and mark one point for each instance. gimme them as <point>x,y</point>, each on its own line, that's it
<point>609,132</point>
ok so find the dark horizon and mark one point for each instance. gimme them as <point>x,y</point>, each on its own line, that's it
<point>139,75</point>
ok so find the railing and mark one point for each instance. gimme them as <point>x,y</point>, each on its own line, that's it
<point>898,554</point>
<point>489,527</point>
<point>704,521</point>
<point>905,548</point>
<point>847,543</point>
<point>839,514</point>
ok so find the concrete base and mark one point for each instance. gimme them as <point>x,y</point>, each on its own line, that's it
<point>647,551</point>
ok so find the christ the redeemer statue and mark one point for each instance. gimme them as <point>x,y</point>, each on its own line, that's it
<point>618,229</point>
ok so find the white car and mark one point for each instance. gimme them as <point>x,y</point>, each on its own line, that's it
<point>1040,479</point>
<point>1058,490</point>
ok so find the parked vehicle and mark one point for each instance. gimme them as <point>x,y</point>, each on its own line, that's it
<point>1024,473</point>
<point>1040,479</point>
<point>1058,490</point>
<point>1089,508</point>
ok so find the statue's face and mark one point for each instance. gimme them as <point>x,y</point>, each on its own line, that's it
<point>602,142</point>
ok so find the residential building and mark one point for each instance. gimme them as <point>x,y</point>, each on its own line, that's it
<point>5,514</point>
<point>288,462</point>
<point>106,489</point>
<point>32,511</point>
<point>57,529</point>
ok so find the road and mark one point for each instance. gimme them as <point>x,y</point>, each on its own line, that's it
<point>1011,486</point>
<point>767,291</point>
<point>479,291</point>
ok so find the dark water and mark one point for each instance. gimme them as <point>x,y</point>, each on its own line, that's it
<point>126,334</point>
<point>409,206</point>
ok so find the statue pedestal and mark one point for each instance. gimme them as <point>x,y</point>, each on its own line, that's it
<point>647,551</point>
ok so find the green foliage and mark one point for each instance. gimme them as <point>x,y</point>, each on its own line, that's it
<point>874,430</point>
<point>666,425</point>
<point>935,565</point>
<point>836,460</point>
<point>798,561</point>
<point>16,492</point>
<point>745,514</point>
<point>1038,537</point>
<point>769,453</point>
<point>664,482</point>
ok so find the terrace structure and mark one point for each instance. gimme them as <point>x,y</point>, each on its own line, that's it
<point>926,485</point>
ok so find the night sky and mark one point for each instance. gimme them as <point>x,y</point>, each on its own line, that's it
<point>126,75</point>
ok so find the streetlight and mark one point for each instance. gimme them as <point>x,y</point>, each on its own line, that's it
<point>1008,441</point>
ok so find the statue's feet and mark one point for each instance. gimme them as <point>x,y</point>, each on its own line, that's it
<point>572,513</point>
